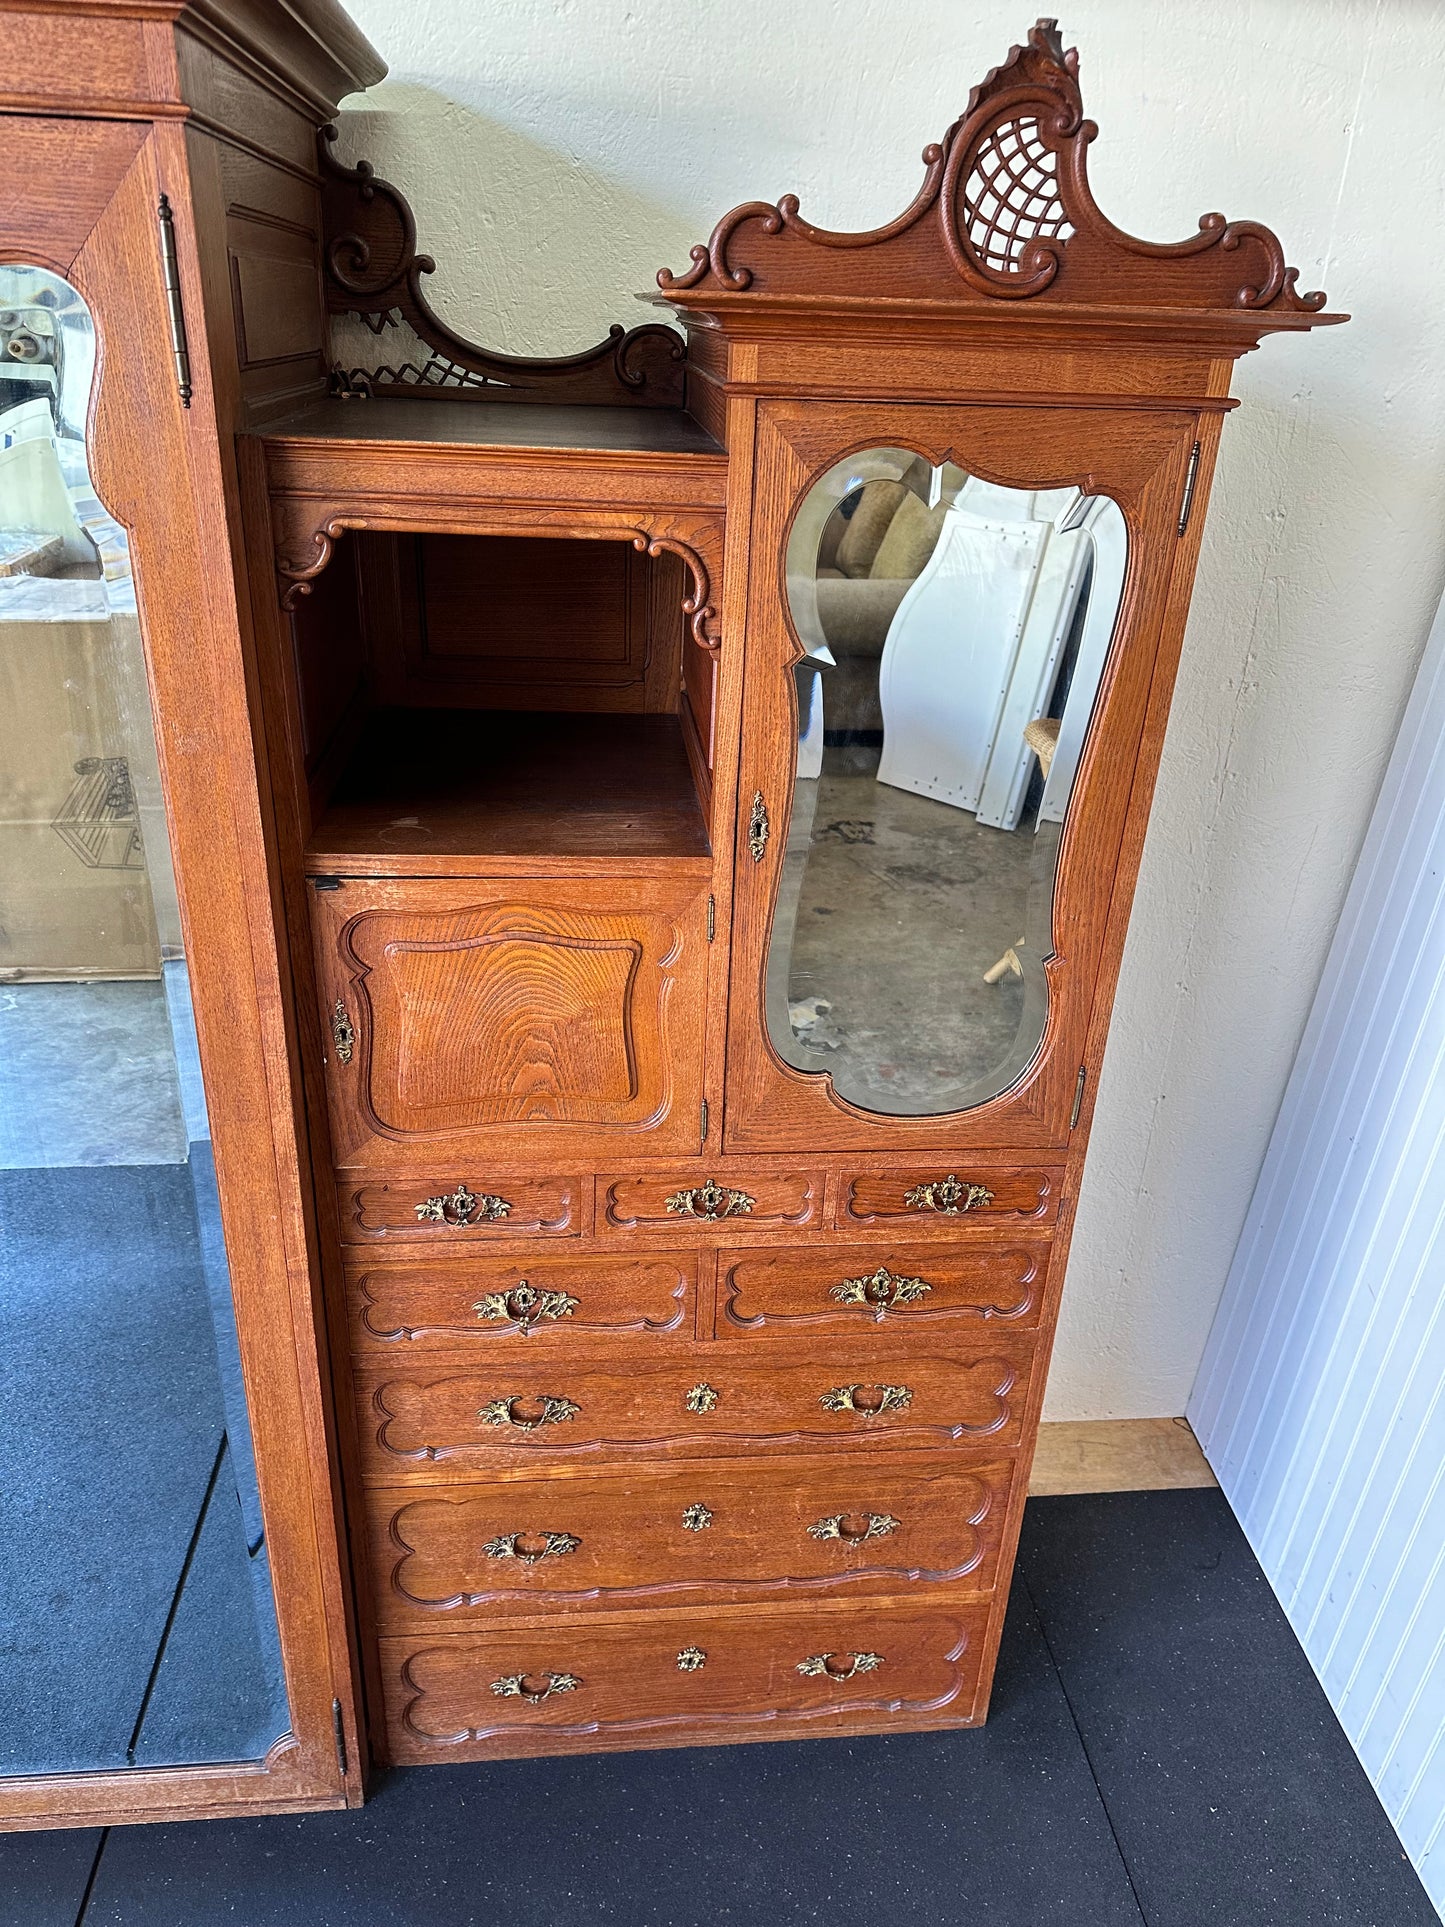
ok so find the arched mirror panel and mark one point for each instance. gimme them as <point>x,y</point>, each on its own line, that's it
<point>140,1626</point>
<point>955,634</point>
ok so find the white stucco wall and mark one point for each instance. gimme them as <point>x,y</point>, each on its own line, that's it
<point>558,153</point>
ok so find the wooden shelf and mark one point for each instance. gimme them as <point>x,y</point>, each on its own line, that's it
<point>472,424</point>
<point>434,792</point>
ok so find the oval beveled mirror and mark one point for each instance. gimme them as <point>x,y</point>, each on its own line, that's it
<point>955,635</point>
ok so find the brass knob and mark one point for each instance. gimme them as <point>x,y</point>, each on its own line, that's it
<point>838,1666</point>
<point>868,1400</point>
<point>527,1414</point>
<point>534,1687</point>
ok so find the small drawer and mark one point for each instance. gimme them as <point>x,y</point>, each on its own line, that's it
<point>950,1198</point>
<point>474,1207</point>
<point>487,1300</point>
<point>777,1293</point>
<point>465,1416</point>
<point>684,1202</point>
<point>659,1680</point>
<point>457,1555</point>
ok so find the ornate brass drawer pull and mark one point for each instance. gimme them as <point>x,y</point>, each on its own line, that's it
<point>867,1399</point>
<point>342,1034</point>
<point>515,1411</point>
<point>759,828</point>
<point>525,1306</point>
<point>951,1195</point>
<point>881,1291</point>
<point>702,1398</point>
<point>530,1547</point>
<point>534,1687</point>
<point>463,1207</point>
<point>697,1518</point>
<point>838,1666</point>
<point>691,1659</point>
<point>711,1201</point>
<point>854,1527</point>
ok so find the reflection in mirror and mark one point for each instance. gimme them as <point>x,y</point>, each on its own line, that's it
<point>955,634</point>
<point>139,1627</point>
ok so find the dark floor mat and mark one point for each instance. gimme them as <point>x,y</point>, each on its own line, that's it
<point>43,1876</point>
<point>1001,1825</point>
<point>215,1695</point>
<point>113,1415</point>
<point>1233,1791</point>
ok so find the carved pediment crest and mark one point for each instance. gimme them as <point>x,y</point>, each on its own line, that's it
<point>1005,213</point>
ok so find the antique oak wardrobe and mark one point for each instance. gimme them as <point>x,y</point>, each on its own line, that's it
<point>653,835</point>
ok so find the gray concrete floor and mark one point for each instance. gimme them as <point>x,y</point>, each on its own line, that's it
<point>903,904</point>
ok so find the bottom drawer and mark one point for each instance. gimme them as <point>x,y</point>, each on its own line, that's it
<point>681,1678</point>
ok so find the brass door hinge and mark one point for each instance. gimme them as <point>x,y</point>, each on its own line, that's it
<point>338,1727</point>
<point>704,1120</point>
<point>171,276</point>
<point>1191,476</point>
<point>711,918</point>
<point>1078,1096</point>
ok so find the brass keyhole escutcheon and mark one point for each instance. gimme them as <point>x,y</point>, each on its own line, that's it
<point>534,1687</point>
<point>525,1305</point>
<point>852,1528</point>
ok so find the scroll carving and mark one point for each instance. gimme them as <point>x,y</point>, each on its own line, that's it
<point>307,533</point>
<point>374,272</point>
<point>1005,212</point>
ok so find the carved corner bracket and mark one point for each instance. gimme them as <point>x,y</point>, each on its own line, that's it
<point>306,536</point>
<point>1005,212</point>
<point>373,271</point>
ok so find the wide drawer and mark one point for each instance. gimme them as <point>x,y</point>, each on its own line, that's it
<point>472,1206</point>
<point>526,1299</point>
<point>660,1679</point>
<point>780,1292</point>
<point>736,1531</point>
<point>689,1201</point>
<point>950,1198</point>
<point>462,1415</point>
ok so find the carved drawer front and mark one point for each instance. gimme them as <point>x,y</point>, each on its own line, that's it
<point>515,1016</point>
<point>779,1293</point>
<point>661,1679</point>
<point>475,1205</point>
<point>463,1417</point>
<point>950,1197</point>
<point>683,1201</point>
<point>523,1301</point>
<point>452,1556</point>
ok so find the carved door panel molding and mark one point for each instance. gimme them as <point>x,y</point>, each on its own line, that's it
<point>1137,457</point>
<point>516,1017</point>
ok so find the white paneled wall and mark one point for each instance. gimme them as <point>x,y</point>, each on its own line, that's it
<point>1321,1398</point>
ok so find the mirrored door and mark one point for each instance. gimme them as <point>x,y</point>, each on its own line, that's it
<point>139,1625</point>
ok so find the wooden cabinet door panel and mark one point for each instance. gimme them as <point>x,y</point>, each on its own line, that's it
<point>525,1300</point>
<point>775,1293</point>
<point>462,1416</point>
<point>677,1676</point>
<point>532,1014</point>
<point>1135,458</point>
<point>454,1555</point>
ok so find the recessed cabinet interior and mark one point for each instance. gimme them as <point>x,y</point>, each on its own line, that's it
<point>695,787</point>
